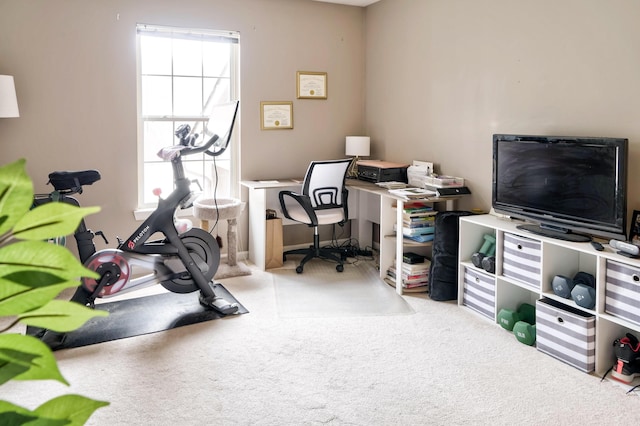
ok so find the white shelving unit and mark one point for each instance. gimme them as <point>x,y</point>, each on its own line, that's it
<point>557,257</point>
<point>392,246</point>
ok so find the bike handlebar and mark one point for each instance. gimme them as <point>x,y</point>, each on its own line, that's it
<point>195,149</point>
<point>221,122</point>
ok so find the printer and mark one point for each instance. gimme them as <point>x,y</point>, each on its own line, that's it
<point>381,171</point>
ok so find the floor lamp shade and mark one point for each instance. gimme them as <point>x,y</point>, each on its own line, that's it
<point>8,100</point>
<point>358,146</point>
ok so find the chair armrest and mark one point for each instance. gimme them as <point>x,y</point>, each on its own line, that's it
<point>303,200</point>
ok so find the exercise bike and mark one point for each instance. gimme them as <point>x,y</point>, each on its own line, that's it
<point>181,262</point>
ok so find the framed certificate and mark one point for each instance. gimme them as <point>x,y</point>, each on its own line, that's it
<point>276,115</point>
<point>311,85</point>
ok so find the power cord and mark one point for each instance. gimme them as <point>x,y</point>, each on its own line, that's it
<point>349,247</point>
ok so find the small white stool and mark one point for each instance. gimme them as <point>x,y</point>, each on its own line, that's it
<point>229,209</point>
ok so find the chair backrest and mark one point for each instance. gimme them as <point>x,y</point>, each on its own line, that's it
<point>324,183</point>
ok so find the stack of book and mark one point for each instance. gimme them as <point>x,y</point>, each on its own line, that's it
<point>415,276</point>
<point>418,221</point>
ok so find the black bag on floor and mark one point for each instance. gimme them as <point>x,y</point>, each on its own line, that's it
<point>443,273</point>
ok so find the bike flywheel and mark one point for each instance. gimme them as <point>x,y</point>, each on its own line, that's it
<point>111,265</point>
<point>204,251</point>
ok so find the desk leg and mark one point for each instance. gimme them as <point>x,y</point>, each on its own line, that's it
<point>257,226</point>
<point>365,212</point>
<point>399,245</point>
<point>388,240</point>
<point>450,205</point>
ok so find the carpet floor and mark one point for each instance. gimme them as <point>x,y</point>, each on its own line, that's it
<point>440,365</point>
<point>321,291</point>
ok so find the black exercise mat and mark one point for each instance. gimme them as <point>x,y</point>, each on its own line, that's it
<point>144,315</point>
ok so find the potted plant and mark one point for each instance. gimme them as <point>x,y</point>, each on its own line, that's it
<point>32,273</point>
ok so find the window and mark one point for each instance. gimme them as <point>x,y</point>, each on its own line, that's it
<point>182,73</point>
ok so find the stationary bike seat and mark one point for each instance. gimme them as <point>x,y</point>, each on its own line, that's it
<point>64,181</point>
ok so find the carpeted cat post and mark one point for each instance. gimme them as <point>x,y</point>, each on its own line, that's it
<point>229,209</point>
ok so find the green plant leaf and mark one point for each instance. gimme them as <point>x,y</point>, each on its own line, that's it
<point>32,274</point>
<point>41,256</point>
<point>13,363</point>
<point>16,194</point>
<point>51,220</point>
<point>16,298</point>
<point>59,315</point>
<point>42,364</point>
<point>75,408</point>
<point>11,414</point>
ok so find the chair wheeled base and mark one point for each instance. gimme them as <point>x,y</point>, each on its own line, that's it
<point>315,251</point>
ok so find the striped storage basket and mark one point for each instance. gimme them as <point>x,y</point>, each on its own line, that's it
<point>521,260</point>
<point>622,291</point>
<point>480,292</point>
<point>566,333</point>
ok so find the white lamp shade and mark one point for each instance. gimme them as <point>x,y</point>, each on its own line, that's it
<point>8,100</point>
<point>358,146</point>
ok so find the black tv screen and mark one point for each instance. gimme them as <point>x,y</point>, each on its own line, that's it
<point>571,188</point>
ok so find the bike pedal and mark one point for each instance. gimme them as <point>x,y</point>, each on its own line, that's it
<point>219,304</point>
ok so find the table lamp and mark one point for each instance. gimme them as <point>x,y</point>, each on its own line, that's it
<point>8,100</point>
<point>357,146</point>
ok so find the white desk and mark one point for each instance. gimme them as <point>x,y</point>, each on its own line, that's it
<point>368,203</point>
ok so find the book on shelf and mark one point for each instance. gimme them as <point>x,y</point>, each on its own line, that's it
<point>410,258</point>
<point>409,284</point>
<point>418,207</point>
<point>409,231</point>
<point>419,225</point>
<point>413,268</point>
<point>420,230</point>
<point>421,238</point>
<point>415,272</point>
<point>418,289</point>
<point>409,278</point>
<point>416,285</point>
<point>409,220</point>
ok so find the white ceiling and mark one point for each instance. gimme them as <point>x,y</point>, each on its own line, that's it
<point>361,3</point>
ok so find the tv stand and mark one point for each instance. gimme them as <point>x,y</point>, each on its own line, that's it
<point>555,232</point>
<point>525,275</point>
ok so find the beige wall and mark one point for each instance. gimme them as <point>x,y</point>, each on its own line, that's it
<point>75,72</point>
<point>443,76</point>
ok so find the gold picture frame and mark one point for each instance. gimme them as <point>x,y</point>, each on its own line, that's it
<point>311,85</point>
<point>275,115</point>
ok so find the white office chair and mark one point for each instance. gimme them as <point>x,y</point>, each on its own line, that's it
<point>323,202</point>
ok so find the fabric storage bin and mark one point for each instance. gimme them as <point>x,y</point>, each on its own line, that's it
<point>566,333</point>
<point>480,292</point>
<point>521,260</point>
<point>622,291</point>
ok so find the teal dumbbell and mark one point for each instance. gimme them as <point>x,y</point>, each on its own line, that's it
<point>527,313</point>
<point>525,332</point>
<point>507,318</point>
<point>488,249</point>
<point>525,329</point>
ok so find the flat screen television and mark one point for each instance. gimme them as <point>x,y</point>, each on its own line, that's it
<point>566,187</point>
